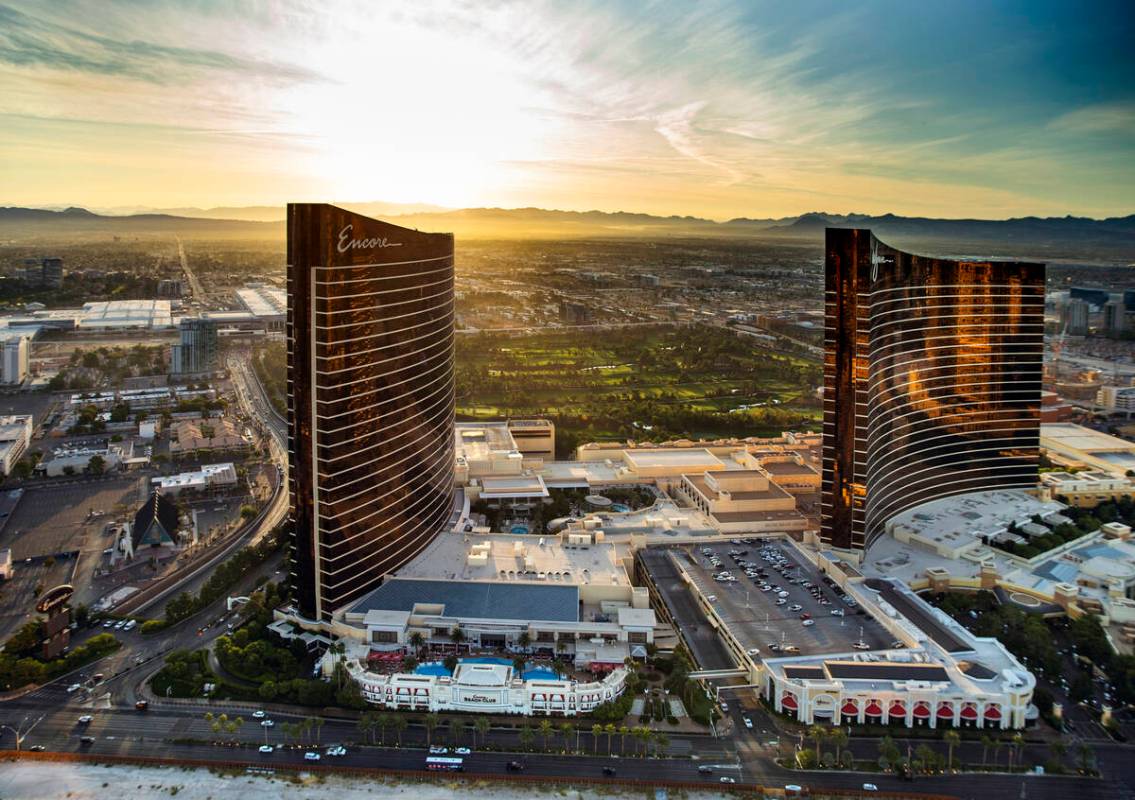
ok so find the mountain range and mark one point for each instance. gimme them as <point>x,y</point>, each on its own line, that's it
<point>1043,237</point>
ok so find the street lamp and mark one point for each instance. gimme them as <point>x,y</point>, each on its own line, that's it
<point>21,735</point>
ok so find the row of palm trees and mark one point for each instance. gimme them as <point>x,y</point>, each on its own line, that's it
<point>645,738</point>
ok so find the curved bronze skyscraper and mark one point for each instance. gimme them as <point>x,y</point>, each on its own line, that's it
<point>370,399</point>
<point>932,380</point>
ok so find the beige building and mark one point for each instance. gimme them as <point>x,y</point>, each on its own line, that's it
<point>1073,445</point>
<point>215,434</point>
<point>742,501</point>
<point>1089,488</point>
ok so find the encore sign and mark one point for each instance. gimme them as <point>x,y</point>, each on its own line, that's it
<point>347,242</point>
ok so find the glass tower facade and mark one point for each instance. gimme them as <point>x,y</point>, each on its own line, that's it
<point>370,399</point>
<point>932,381</point>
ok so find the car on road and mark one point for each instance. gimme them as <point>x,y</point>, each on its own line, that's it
<point>266,723</point>
<point>86,741</point>
<point>130,625</point>
<point>108,623</point>
<point>258,715</point>
<point>37,748</point>
<point>608,770</point>
<point>724,706</point>
<point>310,756</point>
<point>836,612</point>
<point>463,751</point>
<point>267,748</point>
<point>808,622</point>
<point>870,787</point>
<point>795,607</point>
<point>142,705</point>
<point>85,719</point>
<point>861,645</point>
<point>727,779</point>
<point>74,687</point>
<point>790,648</point>
<point>748,722</point>
<point>897,645</point>
<point>711,598</point>
<point>514,766</point>
<point>754,651</point>
<point>705,769</point>
<point>438,750</point>
<point>337,750</point>
<point>120,625</point>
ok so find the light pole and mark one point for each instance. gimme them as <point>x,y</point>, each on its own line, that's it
<point>20,736</point>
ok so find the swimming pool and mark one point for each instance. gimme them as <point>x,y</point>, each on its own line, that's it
<point>433,668</point>
<point>437,668</point>
<point>520,529</point>
<point>622,508</point>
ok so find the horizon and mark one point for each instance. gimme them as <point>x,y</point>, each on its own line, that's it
<point>718,111</point>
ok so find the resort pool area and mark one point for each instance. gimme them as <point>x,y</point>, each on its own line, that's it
<point>622,508</point>
<point>437,668</point>
<point>519,529</point>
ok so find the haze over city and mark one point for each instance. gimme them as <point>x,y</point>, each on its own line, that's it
<point>718,109</point>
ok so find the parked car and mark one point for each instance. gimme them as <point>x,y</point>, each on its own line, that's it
<point>754,651</point>
<point>808,622</point>
<point>748,722</point>
<point>85,719</point>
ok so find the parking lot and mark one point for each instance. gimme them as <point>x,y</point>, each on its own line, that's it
<point>794,615</point>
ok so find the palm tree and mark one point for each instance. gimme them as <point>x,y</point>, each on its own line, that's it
<point>366,726</point>
<point>483,725</point>
<point>523,641</point>
<point>839,739</point>
<point>997,745</point>
<point>1018,745</point>
<point>518,664</point>
<point>566,730</point>
<point>546,730</point>
<point>416,641</point>
<point>926,757</point>
<point>986,743</point>
<point>457,729</point>
<point>661,742</point>
<point>1058,750</point>
<point>952,739</point>
<point>559,667</point>
<point>623,731</point>
<point>596,732</point>
<point>609,729</point>
<point>383,721</point>
<point>457,636</point>
<point>526,737</point>
<point>318,723</point>
<point>1086,756</point>
<point>817,733</point>
<point>400,724</point>
<point>432,721</point>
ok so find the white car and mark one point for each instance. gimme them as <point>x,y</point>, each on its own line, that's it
<point>870,787</point>
<point>724,706</point>
<point>259,715</point>
<point>836,612</point>
<point>462,751</point>
<point>781,601</point>
<point>748,722</point>
<point>861,645</point>
<point>266,748</point>
<point>74,687</point>
<point>85,719</point>
<point>754,651</point>
<point>310,756</point>
<point>438,750</point>
<point>795,607</point>
<point>266,723</point>
<point>808,622</point>
<point>727,779</point>
<point>337,750</point>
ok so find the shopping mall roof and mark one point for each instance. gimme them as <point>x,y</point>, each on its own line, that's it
<point>476,599</point>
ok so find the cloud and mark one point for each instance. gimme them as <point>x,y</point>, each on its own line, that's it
<point>1099,118</point>
<point>32,41</point>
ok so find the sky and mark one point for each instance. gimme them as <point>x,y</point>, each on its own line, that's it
<point>720,110</point>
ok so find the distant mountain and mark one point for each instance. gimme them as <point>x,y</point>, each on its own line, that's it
<point>1046,238</point>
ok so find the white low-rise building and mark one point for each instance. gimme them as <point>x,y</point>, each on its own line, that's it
<point>15,436</point>
<point>481,687</point>
<point>210,476</point>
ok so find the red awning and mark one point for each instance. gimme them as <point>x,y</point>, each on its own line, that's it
<point>922,710</point>
<point>945,710</point>
<point>992,712</point>
<point>874,709</point>
<point>969,712</point>
<point>898,709</point>
<point>849,707</point>
<point>789,701</point>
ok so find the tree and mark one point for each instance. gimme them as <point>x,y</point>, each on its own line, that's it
<point>365,726</point>
<point>96,465</point>
<point>661,742</point>
<point>527,736</point>
<point>986,743</point>
<point>483,726</point>
<point>383,721</point>
<point>596,732</point>
<point>546,730</point>
<point>609,729</point>
<point>400,725</point>
<point>952,739</point>
<point>817,733</point>
<point>457,636</point>
<point>1086,757</point>
<point>267,691</point>
<point>997,745</point>
<point>1018,743</point>
<point>523,640</point>
<point>431,722</point>
<point>623,731</point>
<point>566,730</point>
<point>839,739</point>
<point>456,730</point>
<point>417,641</point>
<point>926,757</point>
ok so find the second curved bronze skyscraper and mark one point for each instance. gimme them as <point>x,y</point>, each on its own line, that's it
<point>371,405</point>
<point>932,379</point>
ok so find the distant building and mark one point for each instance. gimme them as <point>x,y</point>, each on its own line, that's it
<point>267,304</point>
<point>1114,318</point>
<point>156,523</point>
<point>197,351</point>
<point>52,273</point>
<point>210,476</point>
<point>1074,317</point>
<point>1095,298</point>
<point>650,281</point>
<point>171,287</point>
<point>534,437</point>
<point>1089,488</point>
<point>15,437</point>
<point>1117,399</point>
<point>65,461</point>
<point>573,313</point>
<point>209,435</point>
<point>14,361</point>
